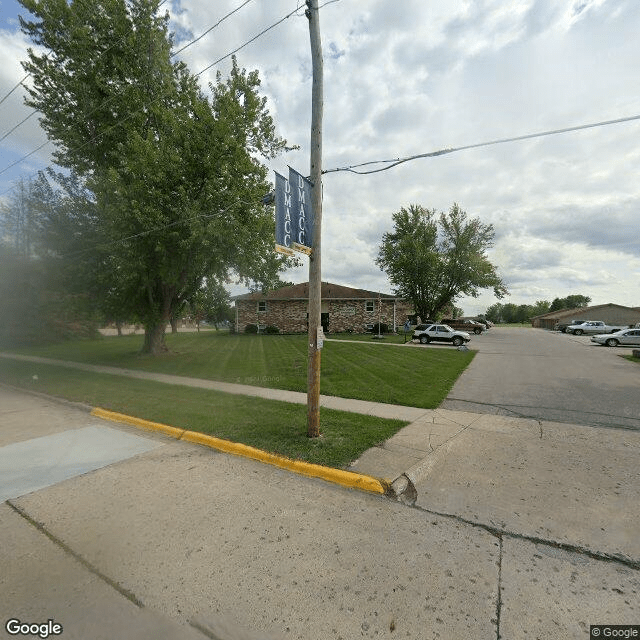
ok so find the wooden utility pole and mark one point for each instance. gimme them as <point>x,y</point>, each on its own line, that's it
<point>315,275</point>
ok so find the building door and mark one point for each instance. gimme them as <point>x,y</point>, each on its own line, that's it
<point>324,321</point>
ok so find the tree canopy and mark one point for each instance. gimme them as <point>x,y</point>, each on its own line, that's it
<point>575,301</point>
<point>174,178</point>
<point>433,259</point>
<point>524,312</point>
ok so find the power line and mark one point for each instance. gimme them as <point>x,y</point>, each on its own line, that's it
<point>6,135</point>
<point>156,229</point>
<point>248,42</point>
<point>13,164</point>
<point>120,41</point>
<point>122,120</point>
<point>14,88</point>
<point>396,161</point>
<point>175,53</point>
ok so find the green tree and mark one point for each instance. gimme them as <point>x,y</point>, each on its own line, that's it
<point>575,301</point>
<point>20,218</point>
<point>177,177</point>
<point>540,308</point>
<point>211,303</point>
<point>432,260</point>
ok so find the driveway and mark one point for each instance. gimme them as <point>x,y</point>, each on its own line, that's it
<point>549,376</point>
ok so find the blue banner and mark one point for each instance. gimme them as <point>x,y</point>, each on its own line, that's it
<point>284,225</point>
<point>301,212</point>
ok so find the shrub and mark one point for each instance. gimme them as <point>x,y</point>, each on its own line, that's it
<point>271,329</point>
<point>384,328</point>
<point>251,328</point>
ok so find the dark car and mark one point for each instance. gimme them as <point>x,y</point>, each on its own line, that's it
<point>562,326</point>
<point>470,326</point>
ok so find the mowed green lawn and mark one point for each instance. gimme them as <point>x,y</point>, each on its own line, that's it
<point>414,376</point>
<point>277,427</point>
<point>411,376</point>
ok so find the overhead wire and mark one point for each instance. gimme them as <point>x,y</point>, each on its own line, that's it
<point>105,245</point>
<point>228,55</point>
<point>397,161</point>
<point>14,88</point>
<point>228,15</point>
<point>248,42</point>
<point>105,102</point>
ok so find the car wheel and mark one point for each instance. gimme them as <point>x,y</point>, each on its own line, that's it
<point>577,332</point>
<point>424,339</point>
<point>477,331</point>
<point>611,342</point>
<point>457,341</point>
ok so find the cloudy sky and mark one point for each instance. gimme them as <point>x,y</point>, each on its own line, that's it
<point>407,77</point>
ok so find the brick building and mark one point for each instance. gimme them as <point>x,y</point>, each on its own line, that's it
<point>343,309</point>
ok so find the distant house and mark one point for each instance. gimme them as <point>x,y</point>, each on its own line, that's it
<point>343,309</point>
<point>609,313</point>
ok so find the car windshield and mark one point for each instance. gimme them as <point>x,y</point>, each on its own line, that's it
<point>446,327</point>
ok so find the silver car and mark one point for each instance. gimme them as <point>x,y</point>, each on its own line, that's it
<point>624,337</point>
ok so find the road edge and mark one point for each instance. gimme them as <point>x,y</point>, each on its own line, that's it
<point>348,479</point>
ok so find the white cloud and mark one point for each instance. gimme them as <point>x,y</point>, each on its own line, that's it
<point>408,77</point>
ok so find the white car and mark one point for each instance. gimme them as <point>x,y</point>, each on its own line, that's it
<point>427,333</point>
<point>624,337</point>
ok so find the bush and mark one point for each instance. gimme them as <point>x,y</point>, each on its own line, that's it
<point>251,328</point>
<point>384,328</point>
<point>271,329</point>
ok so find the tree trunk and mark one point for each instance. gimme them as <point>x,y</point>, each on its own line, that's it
<point>154,338</point>
<point>174,325</point>
<point>119,327</point>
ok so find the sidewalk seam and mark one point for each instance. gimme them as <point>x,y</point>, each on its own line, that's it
<point>349,479</point>
<point>76,556</point>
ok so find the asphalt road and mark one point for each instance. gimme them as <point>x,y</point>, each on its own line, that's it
<point>545,375</point>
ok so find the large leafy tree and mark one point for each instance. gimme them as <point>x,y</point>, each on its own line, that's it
<point>433,259</point>
<point>575,301</point>
<point>177,176</point>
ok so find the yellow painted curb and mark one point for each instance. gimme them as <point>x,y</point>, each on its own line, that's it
<point>337,476</point>
<point>137,422</point>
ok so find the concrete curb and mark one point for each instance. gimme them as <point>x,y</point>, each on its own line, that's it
<point>347,479</point>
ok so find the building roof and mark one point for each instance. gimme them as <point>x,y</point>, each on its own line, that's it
<point>586,311</point>
<point>329,291</point>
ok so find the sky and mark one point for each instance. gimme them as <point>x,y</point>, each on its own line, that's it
<point>410,77</point>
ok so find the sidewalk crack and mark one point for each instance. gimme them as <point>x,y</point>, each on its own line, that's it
<point>499,599</point>
<point>76,556</point>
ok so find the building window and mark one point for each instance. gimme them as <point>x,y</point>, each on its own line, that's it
<point>262,305</point>
<point>369,306</point>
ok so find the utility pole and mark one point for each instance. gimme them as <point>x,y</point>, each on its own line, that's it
<point>315,274</point>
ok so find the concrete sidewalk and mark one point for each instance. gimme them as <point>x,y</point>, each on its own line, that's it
<point>519,528</point>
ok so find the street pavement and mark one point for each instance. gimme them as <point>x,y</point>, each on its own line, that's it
<point>502,528</point>
<point>548,375</point>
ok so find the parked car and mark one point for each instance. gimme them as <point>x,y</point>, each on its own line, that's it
<point>627,336</point>
<point>487,323</point>
<point>594,326</point>
<point>471,326</point>
<point>562,326</point>
<point>440,333</point>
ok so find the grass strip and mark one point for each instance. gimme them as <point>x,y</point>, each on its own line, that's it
<point>409,376</point>
<point>273,426</point>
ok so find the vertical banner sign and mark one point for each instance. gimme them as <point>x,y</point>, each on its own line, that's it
<point>302,212</point>
<point>284,224</point>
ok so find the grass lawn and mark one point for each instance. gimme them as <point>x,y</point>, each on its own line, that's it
<point>411,376</point>
<point>277,427</point>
